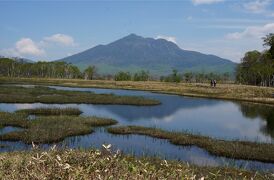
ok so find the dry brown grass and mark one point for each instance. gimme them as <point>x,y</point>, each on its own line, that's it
<point>222,91</point>
<point>104,164</point>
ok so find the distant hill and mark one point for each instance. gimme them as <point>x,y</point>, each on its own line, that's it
<point>18,59</point>
<point>159,56</point>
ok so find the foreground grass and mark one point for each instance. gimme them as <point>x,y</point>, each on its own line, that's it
<point>231,149</point>
<point>222,91</point>
<point>48,129</point>
<point>15,94</point>
<point>95,164</point>
<point>51,111</point>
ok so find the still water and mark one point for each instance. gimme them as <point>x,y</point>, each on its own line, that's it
<point>210,117</point>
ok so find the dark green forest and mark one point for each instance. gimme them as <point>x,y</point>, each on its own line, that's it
<point>257,68</point>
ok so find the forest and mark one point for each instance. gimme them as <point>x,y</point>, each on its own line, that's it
<point>257,68</point>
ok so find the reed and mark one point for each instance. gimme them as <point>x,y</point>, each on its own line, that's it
<point>104,164</point>
<point>54,111</point>
<point>232,149</point>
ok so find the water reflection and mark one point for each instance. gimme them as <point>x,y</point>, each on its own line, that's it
<point>264,112</point>
<point>216,118</point>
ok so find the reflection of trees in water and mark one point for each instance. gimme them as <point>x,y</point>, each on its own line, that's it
<point>264,112</point>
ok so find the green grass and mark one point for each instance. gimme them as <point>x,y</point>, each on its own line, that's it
<point>48,129</point>
<point>15,94</point>
<point>12,119</point>
<point>54,111</point>
<point>95,164</point>
<point>232,149</point>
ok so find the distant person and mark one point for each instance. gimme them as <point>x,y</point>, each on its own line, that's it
<point>214,83</point>
<point>211,83</point>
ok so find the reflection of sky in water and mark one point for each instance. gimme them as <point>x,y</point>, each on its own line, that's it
<point>8,129</point>
<point>217,118</point>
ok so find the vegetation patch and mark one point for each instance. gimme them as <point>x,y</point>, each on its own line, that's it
<point>48,129</point>
<point>232,149</point>
<point>12,119</point>
<point>54,111</point>
<point>55,128</point>
<point>95,164</point>
<point>15,94</point>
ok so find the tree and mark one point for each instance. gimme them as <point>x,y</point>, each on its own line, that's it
<point>188,76</point>
<point>257,68</point>
<point>89,72</point>
<point>141,76</point>
<point>122,76</point>
<point>269,41</point>
<point>175,76</point>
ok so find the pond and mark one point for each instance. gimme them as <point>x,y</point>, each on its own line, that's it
<point>216,118</point>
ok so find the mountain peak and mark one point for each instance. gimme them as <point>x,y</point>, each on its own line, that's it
<point>133,36</point>
<point>159,56</point>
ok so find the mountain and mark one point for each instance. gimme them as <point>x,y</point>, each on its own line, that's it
<point>159,56</point>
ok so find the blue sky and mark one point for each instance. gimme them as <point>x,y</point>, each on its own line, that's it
<point>49,30</point>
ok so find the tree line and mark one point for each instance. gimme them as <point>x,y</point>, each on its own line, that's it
<point>13,68</point>
<point>59,69</point>
<point>194,77</point>
<point>175,76</point>
<point>257,68</point>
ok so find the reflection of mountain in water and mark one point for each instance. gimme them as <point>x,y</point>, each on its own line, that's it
<point>265,112</point>
<point>169,105</point>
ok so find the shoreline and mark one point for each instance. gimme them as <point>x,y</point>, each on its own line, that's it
<point>261,95</point>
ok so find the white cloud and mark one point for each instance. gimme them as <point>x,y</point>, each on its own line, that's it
<point>257,6</point>
<point>24,47</point>
<point>62,39</point>
<point>199,2</point>
<point>252,32</point>
<point>168,38</point>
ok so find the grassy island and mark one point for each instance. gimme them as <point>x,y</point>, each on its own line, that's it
<point>232,149</point>
<point>48,129</point>
<point>40,94</point>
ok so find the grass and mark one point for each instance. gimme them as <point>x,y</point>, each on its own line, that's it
<point>15,94</point>
<point>222,91</point>
<point>13,119</point>
<point>232,149</point>
<point>104,164</point>
<point>54,111</point>
<point>48,129</point>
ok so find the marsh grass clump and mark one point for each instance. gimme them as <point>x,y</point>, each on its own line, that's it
<point>54,111</point>
<point>232,149</point>
<point>16,94</point>
<point>49,129</point>
<point>94,164</point>
<point>12,119</point>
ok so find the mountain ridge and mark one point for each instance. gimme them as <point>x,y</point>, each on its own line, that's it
<point>159,56</point>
